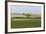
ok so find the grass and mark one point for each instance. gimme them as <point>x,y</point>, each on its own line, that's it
<point>25,23</point>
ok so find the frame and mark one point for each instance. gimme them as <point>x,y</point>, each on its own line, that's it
<point>27,29</point>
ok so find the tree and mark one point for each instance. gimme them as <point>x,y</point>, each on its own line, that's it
<point>28,15</point>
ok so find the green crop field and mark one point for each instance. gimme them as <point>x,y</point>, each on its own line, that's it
<point>25,23</point>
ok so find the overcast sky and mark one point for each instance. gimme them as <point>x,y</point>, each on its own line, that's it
<point>25,9</point>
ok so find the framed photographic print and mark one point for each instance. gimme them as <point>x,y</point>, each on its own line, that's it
<point>22,16</point>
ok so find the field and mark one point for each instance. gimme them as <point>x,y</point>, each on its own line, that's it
<point>25,23</point>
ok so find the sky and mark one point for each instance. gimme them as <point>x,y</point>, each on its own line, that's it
<point>25,9</point>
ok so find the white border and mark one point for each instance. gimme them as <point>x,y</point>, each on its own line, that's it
<point>24,29</point>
